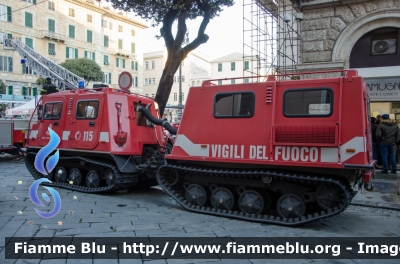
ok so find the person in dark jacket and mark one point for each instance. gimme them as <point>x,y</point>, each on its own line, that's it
<point>48,87</point>
<point>387,134</point>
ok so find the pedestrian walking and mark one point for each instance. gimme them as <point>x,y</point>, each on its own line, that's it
<point>388,134</point>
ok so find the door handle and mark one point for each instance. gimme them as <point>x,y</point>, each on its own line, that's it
<point>56,123</point>
<point>91,124</point>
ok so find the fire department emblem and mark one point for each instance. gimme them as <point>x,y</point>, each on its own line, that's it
<point>78,135</point>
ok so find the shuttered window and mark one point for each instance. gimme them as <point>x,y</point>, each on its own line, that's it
<point>52,25</point>
<point>28,20</point>
<point>71,31</point>
<point>89,36</point>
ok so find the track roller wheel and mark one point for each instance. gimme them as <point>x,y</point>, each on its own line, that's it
<point>49,176</point>
<point>75,176</point>
<point>61,174</point>
<point>251,202</point>
<point>290,206</point>
<point>328,196</point>
<point>110,177</point>
<point>222,198</point>
<point>171,178</point>
<point>196,194</point>
<point>92,179</point>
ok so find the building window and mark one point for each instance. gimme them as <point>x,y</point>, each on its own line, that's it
<point>52,25</point>
<point>220,67</point>
<point>119,28</point>
<point>120,63</point>
<point>232,81</point>
<point>51,5</point>
<point>104,23</point>
<point>183,97</point>
<point>29,42</point>
<point>153,80</point>
<point>71,31</point>
<point>30,1</point>
<point>89,36</point>
<point>71,12</point>
<point>107,77</point>
<point>106,62</point>
<point>120,44</point>
<point>146,81</point>
<point>6,64</point>
<point>152,95</point>
<point>133,48</point>
<point>246,65</point>
<point>198,83</point>
<point>106,41</point>
<point>246,80</point>
<point>134,65</point>
<point>147,65</point>
<point>72,53</point>
<point>307,102</point>
<point>175,97</point>
<point>219,82</point>
<point>89,18</point>
<point>90,55</point>
<point>111,26</point>
<point>52,49</point>
<point>234,105</point>
<point>26,69</point>
<point>5,13</point>
<point>28,20</point>
<point>133,32</point>
<point>153,64</point>
<point>232,66</point>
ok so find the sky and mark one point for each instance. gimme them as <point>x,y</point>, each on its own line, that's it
<point>225,32</point>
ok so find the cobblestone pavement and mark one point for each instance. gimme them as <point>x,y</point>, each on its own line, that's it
<point>152,213</point>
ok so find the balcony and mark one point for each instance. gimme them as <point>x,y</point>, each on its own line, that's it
<point>52,52</point>
<point>52,36</point>
<point>120,52</point>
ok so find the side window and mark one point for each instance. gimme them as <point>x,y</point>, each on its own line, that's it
<point>87,109</point>
<point>308,102</point>
<point>234,105</point>
<point>52,110</point>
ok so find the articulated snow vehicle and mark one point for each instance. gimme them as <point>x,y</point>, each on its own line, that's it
<point>282,152</point>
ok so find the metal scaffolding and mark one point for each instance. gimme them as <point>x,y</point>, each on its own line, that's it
<point>271,33</point>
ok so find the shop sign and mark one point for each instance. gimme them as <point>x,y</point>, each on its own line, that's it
<point>383,89</point>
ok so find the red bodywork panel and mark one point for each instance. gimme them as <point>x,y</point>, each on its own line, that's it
<point>268,136</point>
<point>96,130</point>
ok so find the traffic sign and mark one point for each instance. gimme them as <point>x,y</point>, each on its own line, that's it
<point>125,81</point>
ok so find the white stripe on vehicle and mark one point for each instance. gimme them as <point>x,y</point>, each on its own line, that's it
<point>190,148</point>
<point>65,135</point>
<point>104,137</point>
<point>357,143</point>
<point>34,133</point>
<point>329,155</point>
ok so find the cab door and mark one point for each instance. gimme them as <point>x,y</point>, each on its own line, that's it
<point>86,121</point>
<point>51,118</point>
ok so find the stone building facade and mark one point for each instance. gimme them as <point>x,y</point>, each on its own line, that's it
<point>355,34</point>
<point>63,29</point>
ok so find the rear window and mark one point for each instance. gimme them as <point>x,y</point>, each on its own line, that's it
<point>87,109</point>
<point>234,105</point>
<point>308,102</point>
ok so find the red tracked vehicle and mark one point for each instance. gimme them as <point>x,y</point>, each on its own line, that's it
<point>281,152</point>
<point>105,144</point>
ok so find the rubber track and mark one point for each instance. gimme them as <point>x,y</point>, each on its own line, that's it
<point>276,174</point>
<point>122,180</point>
